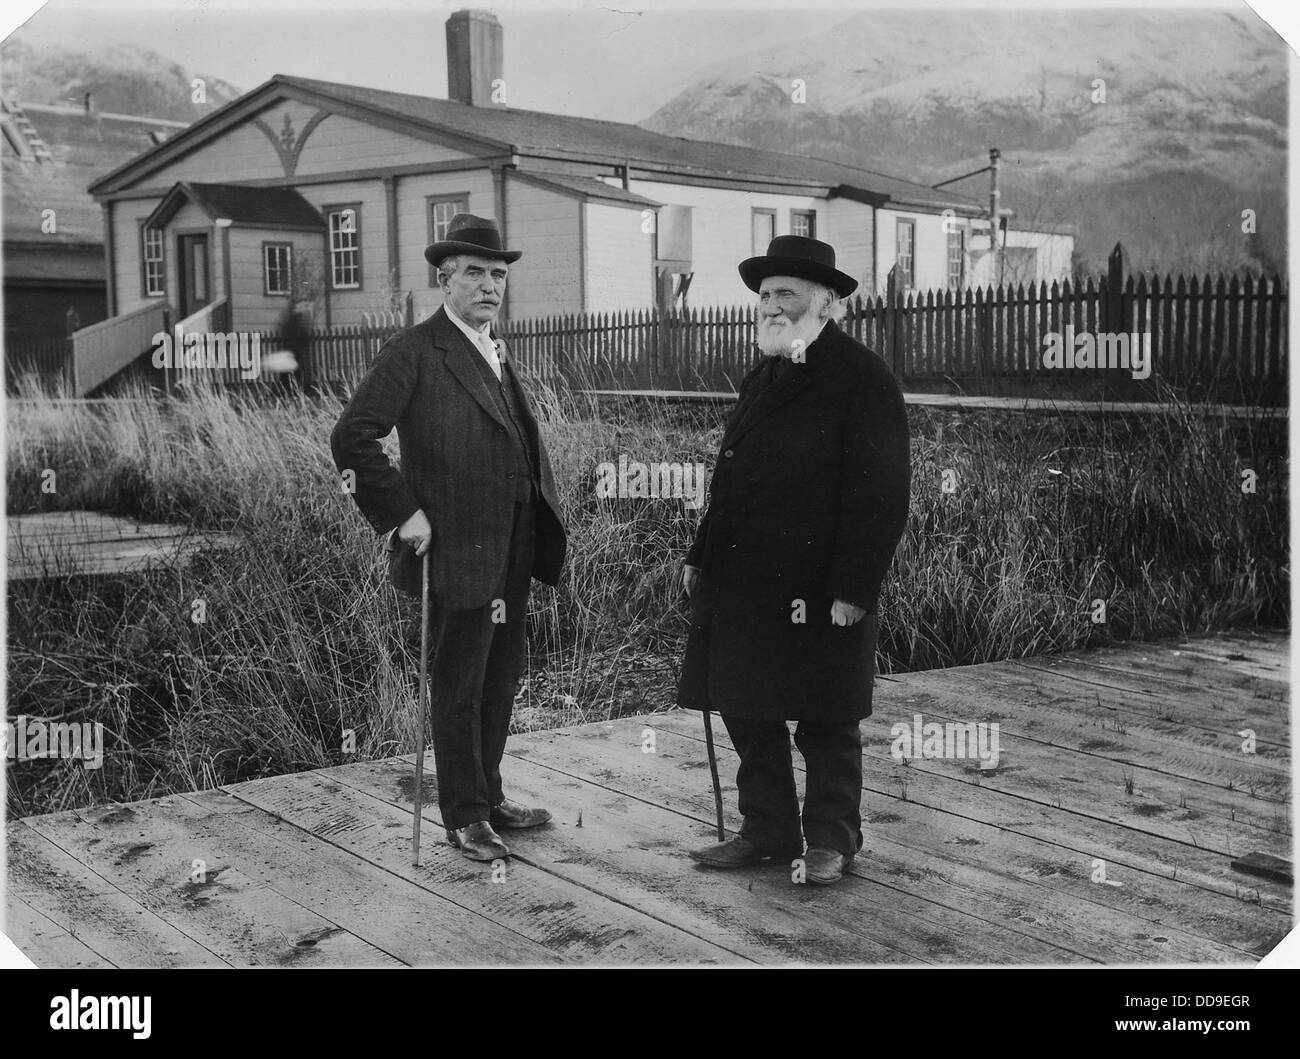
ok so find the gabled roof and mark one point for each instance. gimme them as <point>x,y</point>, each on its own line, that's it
<point>82,145</point>
<point>251,207</point>
<point>508,130</point>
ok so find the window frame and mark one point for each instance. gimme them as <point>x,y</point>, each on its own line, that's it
<point>810,216</point>
<point>431,203</point>
<point>145,261</point>
<point>268,246</point>
<point>960,260</point>
<point>907,278</point>
<point>330,212</point>
<point>754,213</point>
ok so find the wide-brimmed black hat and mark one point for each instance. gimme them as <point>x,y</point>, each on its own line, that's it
<point>467,234</point>
<point>797,255</point>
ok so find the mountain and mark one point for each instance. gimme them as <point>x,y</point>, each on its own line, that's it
<point>1155,128</point>
<point>123,78</point>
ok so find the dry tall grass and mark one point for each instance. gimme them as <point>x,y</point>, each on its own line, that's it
<point>305,640</point>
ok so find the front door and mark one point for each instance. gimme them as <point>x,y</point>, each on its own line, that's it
<point>195,283</point>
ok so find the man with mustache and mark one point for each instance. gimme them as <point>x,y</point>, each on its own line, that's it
<point>476,492</point>
<point>808,501</point>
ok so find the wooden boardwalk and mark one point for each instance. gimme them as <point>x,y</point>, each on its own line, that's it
<point>1107,834</point>
<point>67,543</point>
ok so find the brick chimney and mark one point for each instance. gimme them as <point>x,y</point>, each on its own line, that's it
<point>474,56</point>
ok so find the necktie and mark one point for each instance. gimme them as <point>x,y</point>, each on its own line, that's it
<point>490,352</point>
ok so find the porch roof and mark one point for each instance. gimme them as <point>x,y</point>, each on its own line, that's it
<point>247,207</point>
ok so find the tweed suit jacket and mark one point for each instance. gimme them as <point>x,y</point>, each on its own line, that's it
<point>459,462</point>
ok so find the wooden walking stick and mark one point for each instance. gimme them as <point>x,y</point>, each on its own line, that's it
<point>713,770</point>
<point>421,708</point>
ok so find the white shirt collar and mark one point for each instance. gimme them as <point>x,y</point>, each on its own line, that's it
<point>472,333</point>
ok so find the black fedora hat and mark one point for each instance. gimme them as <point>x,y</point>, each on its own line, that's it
<point>797,255</point>
<point>467,234</point>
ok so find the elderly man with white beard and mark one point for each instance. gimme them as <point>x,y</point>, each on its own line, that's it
<point>807,504</point>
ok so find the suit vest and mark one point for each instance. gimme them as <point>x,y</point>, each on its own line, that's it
<point>509,403</point>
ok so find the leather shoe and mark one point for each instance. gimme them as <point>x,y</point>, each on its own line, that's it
<point>736,852</point>
<point>478,841</point>
<point>510,815</point>
<point>825,866</point>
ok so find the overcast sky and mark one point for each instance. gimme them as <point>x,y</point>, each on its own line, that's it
<point>616,59</point>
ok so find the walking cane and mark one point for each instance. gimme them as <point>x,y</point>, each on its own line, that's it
<point>713,771</point>
<point>421,708</point>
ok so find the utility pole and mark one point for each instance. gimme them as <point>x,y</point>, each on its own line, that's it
<point>995,197</point>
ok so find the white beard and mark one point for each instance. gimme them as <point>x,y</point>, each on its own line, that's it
<point>777,339</point>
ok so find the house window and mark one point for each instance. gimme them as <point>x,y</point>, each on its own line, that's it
<point>904,255</point>
<point>345,246</point>
<point>764,222</point>
<point>442,208</point>
<point>803,222</point>
<point>956,260</point>
<point>151,254</point>
<point>277,268</point>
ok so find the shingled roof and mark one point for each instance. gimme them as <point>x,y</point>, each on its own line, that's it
<point>252,206</point>
<point>82,145</point>
<point>543,136</point>
<point>534,132</point>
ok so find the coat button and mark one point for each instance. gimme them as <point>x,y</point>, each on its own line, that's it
<point>510,474</point>
<point>501,430</point>
<point>729,453</point>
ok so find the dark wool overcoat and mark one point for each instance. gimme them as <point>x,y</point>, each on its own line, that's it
<point>458,461</point>
<point>808,501</point>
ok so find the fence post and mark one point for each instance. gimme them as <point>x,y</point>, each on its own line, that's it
<point>893,314</point>
<point>1113,315</point>
<point>408,309</point>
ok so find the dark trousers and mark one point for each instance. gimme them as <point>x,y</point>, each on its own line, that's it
<point>765,779</point>
<point>477,658</point>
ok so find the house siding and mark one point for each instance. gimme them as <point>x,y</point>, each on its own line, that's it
<point>254,310</point>
<point>339,142</point>
<point>722,234</point>
<point>413,227</point>
<point>544,224</point>
<point>347,305</point>
<point>125,218</point>
<point>850,228</point>
<point>930,250</point>
<point>242,153</point>
<point>619,259</point>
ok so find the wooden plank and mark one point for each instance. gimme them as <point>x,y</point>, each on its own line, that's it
<point>932,856</point>
<point>632,854</point>
<point>1266,865</point>
<point>1068,831</point>
<point>1123,789</point>
<point>1060,716</point>
<point>227,910</point>
<point>44,942</point>
<point>561,917</point>
<point>1119,680</point>
<point>413,923</point>
<point>117,927</point>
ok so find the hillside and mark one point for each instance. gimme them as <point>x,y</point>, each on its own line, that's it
<point>1192,129</point>
<point>123,78</point>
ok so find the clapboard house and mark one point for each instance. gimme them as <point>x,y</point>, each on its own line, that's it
<point>316,190</point>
